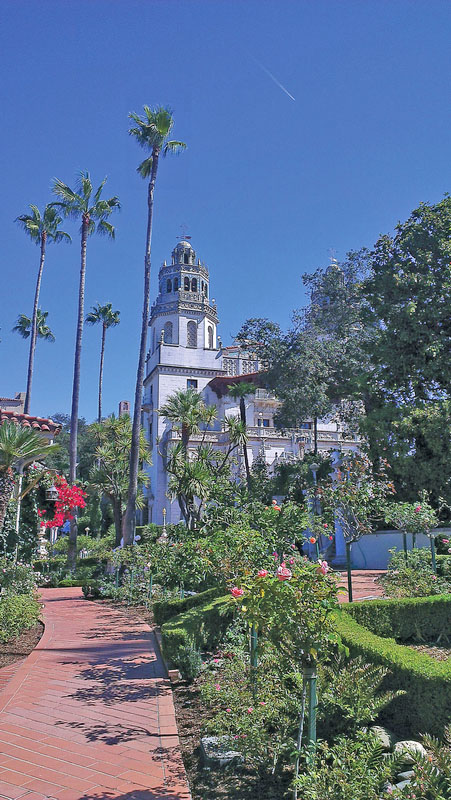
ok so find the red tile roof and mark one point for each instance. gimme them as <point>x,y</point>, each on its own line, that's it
<point>220,384</point>
<point>26,421</point>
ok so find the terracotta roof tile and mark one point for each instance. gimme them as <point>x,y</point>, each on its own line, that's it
<point>27,421</point>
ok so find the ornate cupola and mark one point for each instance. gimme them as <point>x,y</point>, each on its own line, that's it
<point>182,313</point>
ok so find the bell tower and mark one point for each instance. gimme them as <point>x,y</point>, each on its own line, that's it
<point>184,351</point>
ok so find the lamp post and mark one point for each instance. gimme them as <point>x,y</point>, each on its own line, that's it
<point>163,538</point>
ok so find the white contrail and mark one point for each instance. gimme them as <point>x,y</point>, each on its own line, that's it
<point>273,78</point>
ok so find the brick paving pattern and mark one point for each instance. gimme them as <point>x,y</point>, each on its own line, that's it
<point>364,586</point>
<point>89,714</point>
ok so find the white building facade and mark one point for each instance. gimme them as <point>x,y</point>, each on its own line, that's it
<point>186,352</point>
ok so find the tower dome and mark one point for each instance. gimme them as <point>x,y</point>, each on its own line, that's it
<point>183,253</point>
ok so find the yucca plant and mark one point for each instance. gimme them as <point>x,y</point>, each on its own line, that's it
<point>18,447</point>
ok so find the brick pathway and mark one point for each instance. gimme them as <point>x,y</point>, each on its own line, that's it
<point>364,584</point>
<point>89,714</point>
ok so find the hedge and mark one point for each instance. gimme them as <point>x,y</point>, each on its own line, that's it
<point>199,628</point>
<point>415,618</point>
<point>17,613</point>
<point>166,609</point>
<point>427,682</point>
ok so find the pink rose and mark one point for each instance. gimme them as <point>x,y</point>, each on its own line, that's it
<point>291,561</point>
<point>228,710</point>
<point>236,592</point>
<point>445,541</point>
<point>217,687</point>
<point>323,568</point>
<point>283,573</point>
<point>417,509</point>
<point>434,577</point>
<point>250,710</point>
<point>262,573</point>
<point>261,703</point>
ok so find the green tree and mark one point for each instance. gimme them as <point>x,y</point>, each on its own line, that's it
<point>41,230</point>
<point>408,297</point>
<point>241,391</point>
<point>110,475</point>
<point>18,447</point>
<point>24,326</point>
<point>86,446</point>
<point>186,411</point>
<point>108,318</point>
<point>151,131</point>
<point>88,206</point>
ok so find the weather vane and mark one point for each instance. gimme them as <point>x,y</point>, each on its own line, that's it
<point>184,229</point>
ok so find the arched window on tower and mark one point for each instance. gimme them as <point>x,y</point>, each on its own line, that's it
<point>176,284</point>
<point>186,258</point>
<point>191,338</point>
<point>194,285</point>
<point>169,286</point>
<point>186,284</point>
<point>168,332</point>
<point>210,337</point>
<point>206,290</point>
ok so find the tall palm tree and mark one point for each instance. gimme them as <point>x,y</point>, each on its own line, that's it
<point>18,447</point>
<point>24,326</point>
<point>41,230</point>
<point>242,390</point>
<point>108,318</point>
<point>84,204</point>
<point>152,132</point>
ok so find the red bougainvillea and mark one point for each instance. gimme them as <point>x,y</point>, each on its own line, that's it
<point>69,498</point>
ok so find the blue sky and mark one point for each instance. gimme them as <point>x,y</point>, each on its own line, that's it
<point>268,184</point>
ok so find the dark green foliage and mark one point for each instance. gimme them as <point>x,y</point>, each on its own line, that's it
<point>416,619</point>
<point>86,447</point>
<point>350,695</point>
<point>427,682</point>
<point>166,609</point>
<point>17,613</point>
<point>200,628</point>
<point>351,769</point>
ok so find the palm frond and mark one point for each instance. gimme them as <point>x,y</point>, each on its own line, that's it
<point>174,147</point>
<point>145,168</point>
<point>106,229</point>
<point>99,190</point>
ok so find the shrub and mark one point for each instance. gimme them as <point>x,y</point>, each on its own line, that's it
<point>336,772</point>
<point>16,578</point>
<point>411,575</point>
<point>416,618</point>
<point>17,613</point>
<point>200,628</point>
<point>427,682</point>
<point>166,609</point>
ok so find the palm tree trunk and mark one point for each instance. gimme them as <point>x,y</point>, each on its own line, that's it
<point>128,528</point>
<point>6,490</point>
<point>72,553</point>
<point>33,334</point>
<point>245,453</point>
<point>102,353</point>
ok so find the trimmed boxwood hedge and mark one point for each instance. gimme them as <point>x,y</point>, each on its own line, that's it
<point>166,609</point>
<point>425,708</point>
<point>199,628</point>
<point>416,618</point>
